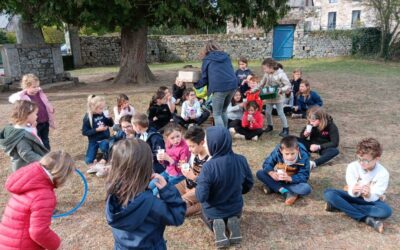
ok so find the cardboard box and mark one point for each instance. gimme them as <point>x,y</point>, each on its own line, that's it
<point>192,75</point>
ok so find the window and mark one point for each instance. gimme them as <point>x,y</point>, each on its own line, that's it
<point>355,18</point>
<point>331,20</point>
<point>309,3</point>
<point>332,1</point>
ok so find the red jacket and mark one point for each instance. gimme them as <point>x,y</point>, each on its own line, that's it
<point>257,123</point>
<point>27,216</point>
<point>254,97</point>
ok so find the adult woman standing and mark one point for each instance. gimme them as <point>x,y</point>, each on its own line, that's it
<point>218,74</point>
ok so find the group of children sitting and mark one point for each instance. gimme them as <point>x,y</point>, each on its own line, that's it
<point>158,174</point>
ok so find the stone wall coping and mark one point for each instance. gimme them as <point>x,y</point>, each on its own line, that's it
<point>30,46</point>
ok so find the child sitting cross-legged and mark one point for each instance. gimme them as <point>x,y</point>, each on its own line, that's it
<point>252,123</point>
<point>286,170</point>
<point>367,181</point>
<point>175,155</point>
<point>306,98</point>
<point>154,139</point>
<point>191,111</point>
<point>194,137</point>
<point>138,218</point>
<point>220,185</point>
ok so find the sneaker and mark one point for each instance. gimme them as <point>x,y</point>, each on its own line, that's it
<point>255,138</point>
<point>268,129</point>
<point>313,165</point>
<point>297,116</point>
<point>235,236</point>
<point>239,136</point>
<point>190,125</point>
<point>103,172</point>
<point>221,240</point>
<point>96,167</point>
<point>266,190</point>
<point>290,199</point>
<point>330,208</point>
<point>376,224</point>
<point>232,131</point>
<point>284,133</point>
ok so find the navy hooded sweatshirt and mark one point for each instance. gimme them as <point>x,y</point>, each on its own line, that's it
<point>217,72</point>
<point>97,120</point>
<point>155,141</point>
<point>224,178</point>
<point>141,224</point>
<point>302,164</point>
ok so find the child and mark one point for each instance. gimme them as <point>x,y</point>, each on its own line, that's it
<point>320,136</point>
<point>288,100</point>
<point>31,91</point>
<point>159,111</point>
<point>20,140</point>
<point>306,98</point>
<point>126,131</point>
<point>286,170</point>
<point>95,126</point>
<point>137,218</point>
<point>220,185</point>
<point>123,108</point>
<point>177,153</point>
<point>235,110</point>
<point>140,124</point>
<point>253,94</point>
<point>27,218</point>
<point>191,111</point>
<point>194,137</point>
<point>275,78</point>
<point>252,123</point>
<point>296,80</point>
<point>171,101</point>
<point>367,181</point>
<point>242,75</point>
<point>177,90</point>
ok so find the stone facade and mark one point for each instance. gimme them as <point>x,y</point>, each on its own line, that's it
<point>45,61</point>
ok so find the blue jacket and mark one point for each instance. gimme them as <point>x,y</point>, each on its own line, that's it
<point>217,72</point>
<point>302,164</point>
<point>155,141</point>
<point>90,131</point>
<point>224,178</point>
<point>313,100</point>
<point>141,224</point>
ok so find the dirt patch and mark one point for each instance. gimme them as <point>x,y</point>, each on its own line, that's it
<point>360,105</point>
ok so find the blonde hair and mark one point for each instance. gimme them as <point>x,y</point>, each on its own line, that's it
<point>131,169</point>
<point>28,80</point>
<point>307,93</point>
<point>92,103</point>
<point>318,113</point>
<point>21,110</point>
<point>60,165</point>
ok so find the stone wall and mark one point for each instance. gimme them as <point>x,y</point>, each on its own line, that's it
<point>45,61</point>
<point>100,51</point>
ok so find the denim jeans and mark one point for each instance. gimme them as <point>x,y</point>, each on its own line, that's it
<point>356,207</point>
<point>173,180</point>
<point>325,154</point>
<point>301,189</point>
<point>43,133</point>
<point>92,150</point>
<point>220,103</point>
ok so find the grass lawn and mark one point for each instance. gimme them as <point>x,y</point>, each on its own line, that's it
<point>361,95</point>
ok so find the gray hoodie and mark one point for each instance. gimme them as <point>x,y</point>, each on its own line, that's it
<point>22,146</point>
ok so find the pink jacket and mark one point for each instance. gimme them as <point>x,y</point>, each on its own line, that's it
<point>22,95</point>
<point>178,153</point>
<point>27,217</point>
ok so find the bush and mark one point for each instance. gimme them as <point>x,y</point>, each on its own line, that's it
<point>7,37</point>
<point>366,41</point>
<point>53,35</point>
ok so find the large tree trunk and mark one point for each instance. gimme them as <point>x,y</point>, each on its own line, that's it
<point>27,33</point>
<point>75,44</point>
<point>133,66</point>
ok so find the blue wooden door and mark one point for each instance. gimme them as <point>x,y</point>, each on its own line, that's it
<point>283,42</point>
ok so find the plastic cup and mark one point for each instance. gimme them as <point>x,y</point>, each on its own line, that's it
<point>280,171</point>
<point>271,89</point>
<point>185,167</point>
<point>106,113</point>
<point>309,128</point>
<point>160,152</point>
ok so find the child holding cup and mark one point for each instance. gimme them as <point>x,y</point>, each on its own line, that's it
<point>286,170</point>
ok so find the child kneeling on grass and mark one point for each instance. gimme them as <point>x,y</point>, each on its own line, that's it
<point>286,170</point>
<point>220,185</point>
<point>137,217</point>
<point>367,181</point>
<point>27,218</point>
<point>194,137</point>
